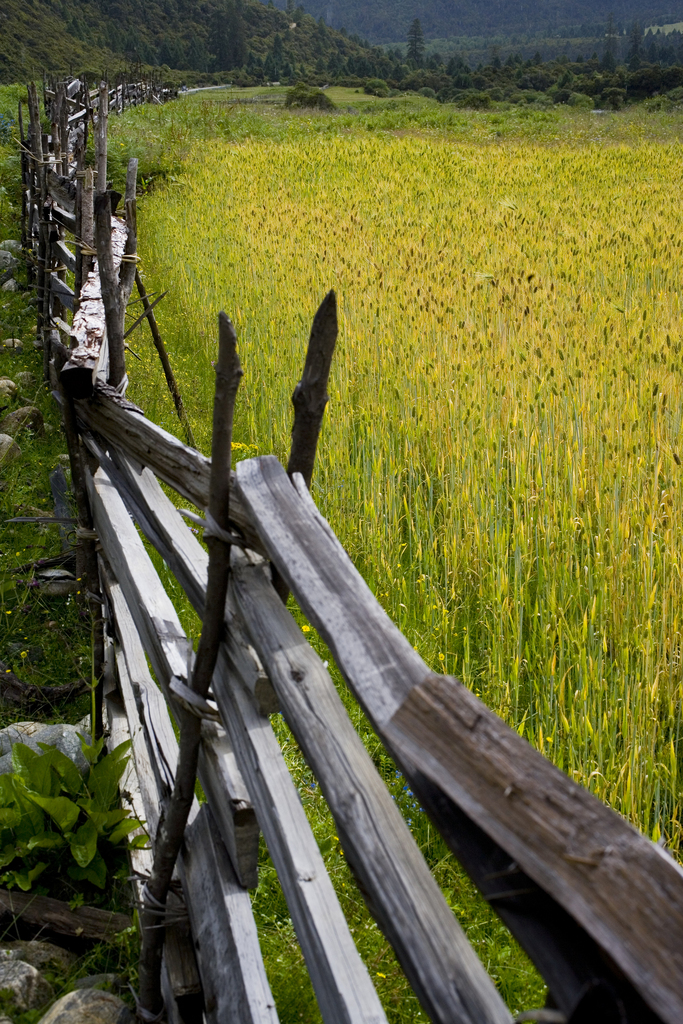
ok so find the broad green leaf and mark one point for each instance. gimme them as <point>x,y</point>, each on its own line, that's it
<point>7,856</point>
<point>91,751</point>
<point>40,777</point>
<point>105,819</point>
<point>95,872</point>
<point>140,843</point>
<point>124,829</point>
<point>67,771</point>
<point>46,841</point>
<point>84,844</point>
<point>103,782</point>
<point>9,817</point>
<point>22,757</point>
<point>25,879</point>
<point>64,812</point>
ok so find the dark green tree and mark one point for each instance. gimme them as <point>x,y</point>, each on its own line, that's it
<point>416,42</point>
<point>635,47</point>
<point>609,56</point>
<point>228,40</point>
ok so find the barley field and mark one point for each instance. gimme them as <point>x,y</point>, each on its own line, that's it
<point>501,454</point>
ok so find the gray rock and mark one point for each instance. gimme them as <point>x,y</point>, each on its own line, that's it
<point>64,737</point>
<point>9,449</point>
<point>26,379</point>
<point>28,987</point>
<point>7,260</point>
<point>28,417</point>
<point>41,955</point>
<point>10,286</point>
<point>102,981</point>
<point>12,246</point>
<point>88,1006</point>
<point>16,344</point>
<point>7,388</point>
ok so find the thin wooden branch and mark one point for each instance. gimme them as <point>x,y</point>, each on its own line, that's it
<point>172,826</point>
<point>163,356</point>
<point>309,400</point>
<point>310,395</point>
<point>101,138</point>
<point>16,693</point>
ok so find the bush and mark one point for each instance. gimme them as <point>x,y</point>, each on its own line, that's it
<point>302,95</point>
<point>376,87</point>
<point>55,823</point>
<point>474,100</point>
<point>613,99</point>
<point>579,99</point>
<point>426,91</point>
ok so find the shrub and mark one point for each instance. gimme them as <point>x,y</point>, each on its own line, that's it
<point>302,95</point>
<point>47,810</point>
<point>426,91</point>
<point>613,99</point>
<point>579,99</point>
<point>376,87</point>
<point>474,100</point>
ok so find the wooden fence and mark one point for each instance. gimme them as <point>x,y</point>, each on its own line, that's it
<point>595,904</point>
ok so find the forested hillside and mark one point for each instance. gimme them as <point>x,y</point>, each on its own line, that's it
<point>388,20</point>
<point>211,36</point>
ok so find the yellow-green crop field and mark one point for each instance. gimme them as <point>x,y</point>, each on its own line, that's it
<point>502,451</point>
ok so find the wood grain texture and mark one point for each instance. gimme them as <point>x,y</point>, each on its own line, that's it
<point>219,774</point>
<point>48,915</point>
<point>233,978</point>
<point>181,467</point>
<point>340,979</point>
<point>188,560</point>
<point>575,848</point>
<point>442,967</point>
<point>341,982</point>
<point>591,860</point>
<point>89,326</point>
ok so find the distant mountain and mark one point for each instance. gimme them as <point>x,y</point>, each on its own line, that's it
<point>204,36</point>
<point>387,21</point>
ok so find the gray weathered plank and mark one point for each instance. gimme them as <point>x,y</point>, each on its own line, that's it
<point>62,252</point>
<point>440,963</point>
<point>62,291</point>
<point>436,955</point>
<point>183,468</point>
<point>233,978</point>
<point>577,849</point>
<point>220,777</point>
<point>341,981</point>
<point>188,560</point>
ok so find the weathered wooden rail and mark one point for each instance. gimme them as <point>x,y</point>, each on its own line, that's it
<point>596,905</point>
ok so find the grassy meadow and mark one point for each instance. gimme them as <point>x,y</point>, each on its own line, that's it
<point>501,455</point>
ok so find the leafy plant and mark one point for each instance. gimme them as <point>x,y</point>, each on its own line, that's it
<point>47,808</point>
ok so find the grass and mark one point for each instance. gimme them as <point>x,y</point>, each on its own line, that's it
<point>501,455</point>
<point>501,452</point>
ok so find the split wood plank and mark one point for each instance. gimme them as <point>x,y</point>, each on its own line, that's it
<point>89,327</point>
<point>221,779</point>
<point>340,979</point>
<point>63,217</point>
<point>577,849</point>
<point>180,963</point>
<point>45,914</point>
<point>181,467</point>
<point>188,560</point>
<point>62,291</point>
<point>233,978</point>
<point>404,897</point>
<point>63,253</point>
<point>441,965</point>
